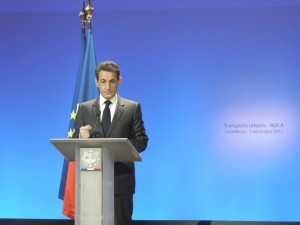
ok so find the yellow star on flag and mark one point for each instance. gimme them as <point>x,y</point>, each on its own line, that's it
<point>73,115</point>
<point>70,133</point>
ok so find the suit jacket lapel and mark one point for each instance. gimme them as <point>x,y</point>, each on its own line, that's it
<point>118,113</point>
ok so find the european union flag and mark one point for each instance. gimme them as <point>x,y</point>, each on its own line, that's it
<point>63,180</point>
<point>85,90</point>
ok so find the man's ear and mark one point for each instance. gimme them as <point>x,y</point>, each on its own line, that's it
<point>119,81</point>
<point>96,82</point>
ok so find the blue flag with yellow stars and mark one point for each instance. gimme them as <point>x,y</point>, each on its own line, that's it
<point>85,90</point>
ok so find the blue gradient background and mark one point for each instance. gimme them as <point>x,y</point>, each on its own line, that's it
<point>193,65</point>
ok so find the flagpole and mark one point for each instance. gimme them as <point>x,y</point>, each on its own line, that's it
<point>83,16</point>
<point>89,9</point>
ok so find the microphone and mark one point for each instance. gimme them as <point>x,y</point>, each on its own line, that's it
<point>96,134</point>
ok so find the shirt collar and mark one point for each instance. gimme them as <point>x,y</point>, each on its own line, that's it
<point>113,100</point>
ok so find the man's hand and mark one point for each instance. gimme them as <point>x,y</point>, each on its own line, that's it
<point>85,132</point>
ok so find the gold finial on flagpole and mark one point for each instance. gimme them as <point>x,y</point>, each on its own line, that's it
<point>89,9</point>
<point>83,15</point>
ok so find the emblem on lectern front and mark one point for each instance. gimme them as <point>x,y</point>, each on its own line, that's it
<point>90,159</point>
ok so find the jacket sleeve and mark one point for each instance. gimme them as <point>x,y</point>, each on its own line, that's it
<point>139,138</point>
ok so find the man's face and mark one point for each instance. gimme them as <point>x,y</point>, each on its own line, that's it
<point>108,84</point>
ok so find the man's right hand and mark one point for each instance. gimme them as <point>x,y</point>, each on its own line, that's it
<point>85,132</point>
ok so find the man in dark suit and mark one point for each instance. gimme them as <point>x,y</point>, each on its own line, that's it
<point>112,116</point>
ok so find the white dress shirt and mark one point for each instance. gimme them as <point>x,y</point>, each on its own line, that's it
<point>112,106</point>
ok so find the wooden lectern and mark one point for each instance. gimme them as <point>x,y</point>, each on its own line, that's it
<point>94,159</point>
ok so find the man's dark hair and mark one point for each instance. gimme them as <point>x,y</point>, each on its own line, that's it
<point>108,66</point>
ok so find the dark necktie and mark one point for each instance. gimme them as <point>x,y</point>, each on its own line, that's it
<point>106,119</point>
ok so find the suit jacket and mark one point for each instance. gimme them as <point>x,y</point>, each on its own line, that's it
<point>127,123</point>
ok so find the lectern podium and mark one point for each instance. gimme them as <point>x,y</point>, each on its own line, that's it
<point>94,159</point>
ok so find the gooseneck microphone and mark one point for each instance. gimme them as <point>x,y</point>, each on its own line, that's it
<point>96,135</point>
